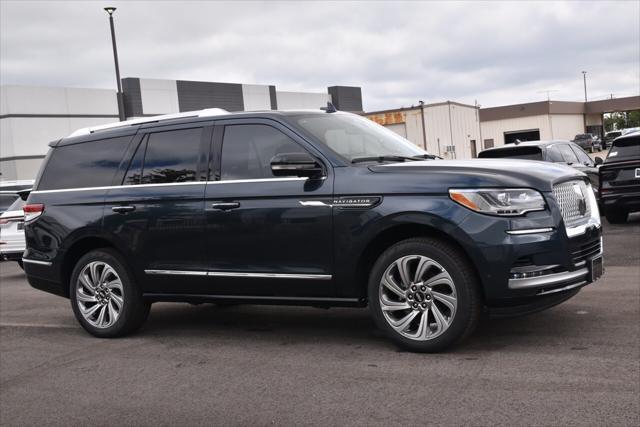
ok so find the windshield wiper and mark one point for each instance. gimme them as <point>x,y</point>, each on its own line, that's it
<point>381,159</point>
<point>425,156</point>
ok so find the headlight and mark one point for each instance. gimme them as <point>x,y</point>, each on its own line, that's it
<point>504,202</point>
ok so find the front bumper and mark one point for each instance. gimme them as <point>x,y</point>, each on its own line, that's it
<point>558,259</point>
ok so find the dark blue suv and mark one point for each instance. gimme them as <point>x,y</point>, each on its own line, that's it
<point>308,208</point>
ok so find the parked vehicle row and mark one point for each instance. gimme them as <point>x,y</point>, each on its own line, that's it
<point>311,208</point>
<point>588,142</point>
<point>562,152</point>
<point>620,178</point>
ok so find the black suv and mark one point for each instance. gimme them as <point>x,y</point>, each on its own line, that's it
<point>620,178</point>
<point>556,151</point>
<point>308,208</point>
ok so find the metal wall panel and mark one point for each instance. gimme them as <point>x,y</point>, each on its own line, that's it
<point>346,98</point>
<point>132,97</point>
<point>200,95</point>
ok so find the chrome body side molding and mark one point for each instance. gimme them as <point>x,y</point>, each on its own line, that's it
<point>240,274</point>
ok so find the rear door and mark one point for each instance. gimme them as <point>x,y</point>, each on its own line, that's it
<point>158,210</point>
<point>267,236</point>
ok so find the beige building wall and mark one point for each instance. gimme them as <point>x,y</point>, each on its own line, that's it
<point>566,126</point>
<point>495,129</point>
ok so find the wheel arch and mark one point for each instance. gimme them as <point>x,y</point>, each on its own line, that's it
<point>77,250</point>
<point>402,230</point>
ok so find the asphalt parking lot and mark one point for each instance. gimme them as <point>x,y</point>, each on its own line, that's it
<point>576,364</point>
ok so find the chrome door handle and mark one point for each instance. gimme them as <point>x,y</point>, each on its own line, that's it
<point>123,209</point>
<point>225,206</point>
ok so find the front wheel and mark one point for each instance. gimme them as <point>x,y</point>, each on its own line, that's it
<point>104,297</point>
<point>424,295</point>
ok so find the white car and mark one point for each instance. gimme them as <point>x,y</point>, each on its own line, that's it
<point>12,243</point>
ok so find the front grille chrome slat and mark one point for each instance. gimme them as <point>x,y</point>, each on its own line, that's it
<point>572,198</point>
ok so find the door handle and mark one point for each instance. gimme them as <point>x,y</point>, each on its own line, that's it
<point>123,209</point>
<point>225,206</point>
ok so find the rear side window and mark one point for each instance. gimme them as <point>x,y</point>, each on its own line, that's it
<point>582,156</point>
<point>166,157</point>
<point>247,150</point>
<point>554,155</point>
<point>525,153</point>
<point>567,154</point>
<point>88,164</point>
<point>7,200</point>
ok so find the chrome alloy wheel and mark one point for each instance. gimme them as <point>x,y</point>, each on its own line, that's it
<point>99,294</point>
<point>417,297</point>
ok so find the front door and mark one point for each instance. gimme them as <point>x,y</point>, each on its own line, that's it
<point>267,236</point>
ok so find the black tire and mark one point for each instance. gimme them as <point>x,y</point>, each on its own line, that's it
<point>134,310</point>
<point>469,300</point>
<point>616,217</point>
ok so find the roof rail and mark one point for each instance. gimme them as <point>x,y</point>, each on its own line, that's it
<point>207,112</point>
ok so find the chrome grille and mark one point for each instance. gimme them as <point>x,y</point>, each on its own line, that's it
<point>570,196</point>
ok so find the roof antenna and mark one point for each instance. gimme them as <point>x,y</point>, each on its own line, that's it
<point>330,108</point>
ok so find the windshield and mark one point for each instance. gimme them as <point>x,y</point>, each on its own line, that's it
<point>526,153</point>
<point>355,137</point>
<point>583,136</point>
<point>625,149</point>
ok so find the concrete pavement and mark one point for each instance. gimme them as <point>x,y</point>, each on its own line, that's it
<point>576,364</point>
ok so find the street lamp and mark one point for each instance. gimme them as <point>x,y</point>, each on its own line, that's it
<point>120,100</point>
<point>424,132</point>
<point>584,115</point>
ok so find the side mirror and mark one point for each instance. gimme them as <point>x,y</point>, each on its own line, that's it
<point>598,160</point>
<point>296,164</point>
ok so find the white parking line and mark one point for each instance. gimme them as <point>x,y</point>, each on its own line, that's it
<point>35,325</point>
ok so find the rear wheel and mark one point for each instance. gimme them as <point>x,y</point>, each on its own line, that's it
<point>424,295</point>
<point>104,297</point>
<point>616,217</point>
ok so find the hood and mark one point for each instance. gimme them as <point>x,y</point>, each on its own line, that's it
<point>484,173</point>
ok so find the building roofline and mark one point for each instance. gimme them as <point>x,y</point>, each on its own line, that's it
<point>559,107</point>
<point>417,107</point>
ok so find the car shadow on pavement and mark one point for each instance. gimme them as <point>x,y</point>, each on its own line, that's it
<point>337,326</point>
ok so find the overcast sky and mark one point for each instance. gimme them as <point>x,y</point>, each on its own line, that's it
<point>496,53</point>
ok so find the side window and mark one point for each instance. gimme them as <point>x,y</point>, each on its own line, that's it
<point>247,151</point>
<point>87,164</point>
<point>582,156</point>
<point>170,156</point>
<point>567,153</point>
<point>554,155</point>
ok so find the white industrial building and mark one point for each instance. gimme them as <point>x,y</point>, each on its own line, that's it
<point>454,130</point>
<point>548,120</point>
<point>31,116</point>
<point>450,129</point>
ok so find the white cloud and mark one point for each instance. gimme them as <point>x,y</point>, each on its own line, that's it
<point>399,52</point>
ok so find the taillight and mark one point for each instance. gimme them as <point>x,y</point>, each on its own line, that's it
<point>32,211</point>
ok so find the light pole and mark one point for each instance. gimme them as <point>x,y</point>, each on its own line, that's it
<point>424,132</point>
<point>120,100</point>
<point>584,115</point>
